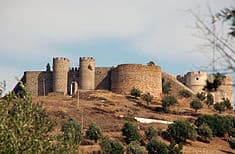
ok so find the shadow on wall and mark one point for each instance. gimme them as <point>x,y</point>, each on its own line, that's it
<point>45,84</point>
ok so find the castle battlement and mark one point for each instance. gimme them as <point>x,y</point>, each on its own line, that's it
<point>73,68</point>
<point>60,59</point>
<point>87,59</point>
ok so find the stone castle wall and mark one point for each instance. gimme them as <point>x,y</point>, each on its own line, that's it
<point>225,90</point>
<point>87,73</point>
<point>60,75</point>
<point>195,80</point>
<point>146,78</point>
<point>37,82</point>
<point>103,78</point>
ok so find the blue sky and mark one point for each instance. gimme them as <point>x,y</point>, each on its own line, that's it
<point>112,31</point>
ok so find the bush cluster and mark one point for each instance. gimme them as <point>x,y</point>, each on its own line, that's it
<point>185,93</point>
<point>130,132</point>
<point>167,101</point>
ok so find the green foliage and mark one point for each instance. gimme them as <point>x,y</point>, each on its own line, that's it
<point>135,148</point>
<point>219,106</point>
<point>204,132</point>
<point>185,93</point>
<point>196,105</point>
<point>167,101</point>
<point>147,97</point>
<point>232,132</point>
<point>111,146</point>
<point>227,103</point>
<point>166,87</point>
<point>232,142</point>
<point>48,68</point>
<point>209,99</point>
<point>156,147</point>
<point>130,132</point>
<point>220,125</point>
<point>150,63</point>
<point>94,132</point>
<point>72,135</point>
<point>173,149</point>
<point>25,127</point>
<point>180,130</point>
<point>213,85</point>
<point>135,92</point>
<point>201,96</point>
<point>150,133</point>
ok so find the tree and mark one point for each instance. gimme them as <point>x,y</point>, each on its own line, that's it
<point>111,146</point>
<point>201,96</point>
<point>196,105</point>
<point>219,106</point>
<point>227,103</point>
<point>147,97</point>
<point>48,69</point>
<point>93,132</point>
<point>150,133</point>
<point>204,132</point>
<point>166,86</point>
<point>156,147</point>
<point>25,127</point>
<point>135,148</point>
<point>185,93</point>
<point>180,130</point>
<point>72,134</point>
<point>130,132</point>
<point>209,99</point>
<point>218,42</point>
<point>150,63</point>
<point>167,101</point>
<point>135,92</point>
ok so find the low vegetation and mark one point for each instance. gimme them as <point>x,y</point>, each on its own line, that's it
<point>147,97</point>
<point>111,146</point>
<point>185,93</point>
<point>135,92</point>
<point>167,101</point>
<point>135,148</point>
<point>94,132</point>
<point>166,87</point>
<point>196,105</point>
<point>130,132</point>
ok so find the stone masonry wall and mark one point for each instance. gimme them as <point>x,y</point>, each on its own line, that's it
<point>103,78</point>
<point>37,82</point>
<point>146,78</point>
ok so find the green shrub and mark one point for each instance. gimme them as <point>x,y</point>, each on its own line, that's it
<point>150,133</point>
<point>209,99</point>
<point>201,96</point>
<point>232,132</point>
<point>111,146</point>
<point>72,132</point>
<point>227,104</point>
<point>180,130</point>
<point>185,93</point>
<point>93,132</point>
<point>156,147</point>
<point>173,149</point>
<point>220,125</point>
<point>147,97</point>
<point>231,142</point>
<point>130,132</point>
<point>135,148</point>
<point>196,105</point>
<point>135,92</point>
<point>167,101</point>
<point>166,86</point>
<point>204,133</point>
<point>219,107</point>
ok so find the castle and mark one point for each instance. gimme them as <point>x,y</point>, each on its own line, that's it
<point>120,79</point>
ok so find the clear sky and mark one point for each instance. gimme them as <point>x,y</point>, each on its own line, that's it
<point>112,31</point>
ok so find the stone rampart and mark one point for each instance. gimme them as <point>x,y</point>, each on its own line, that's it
<point>146,78</point>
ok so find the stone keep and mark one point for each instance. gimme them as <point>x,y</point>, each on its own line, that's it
<point>145,78</point>
<point>87,73</point>
<point>60,74</point>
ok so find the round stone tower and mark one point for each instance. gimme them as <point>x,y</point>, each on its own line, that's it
<point>196,80</point>
<point>87,73</point>
<point>60,74</point>
<point>147,79</point>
